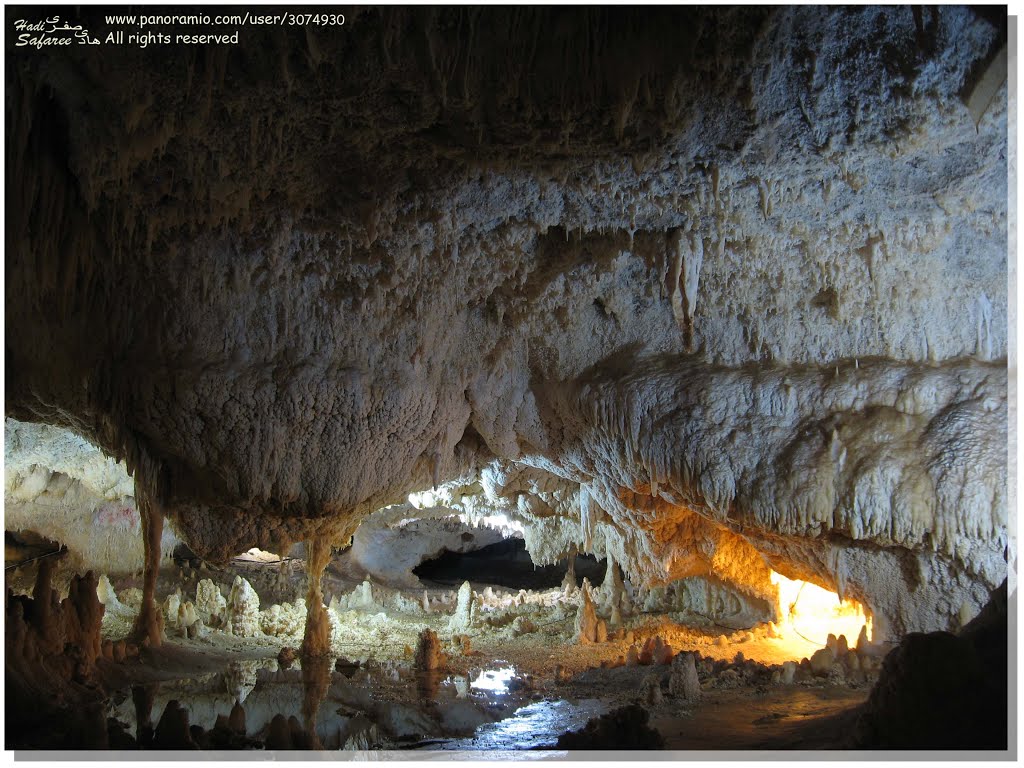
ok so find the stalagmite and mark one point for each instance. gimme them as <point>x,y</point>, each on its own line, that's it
<point>187,620</point>
<point>612,591</point>
<point>822,661</point>
<point>522,626</point>
<point>46,614</point>
<point>429,656</point>
<point>83,616</point>
<point>170,608</point>
<point>316,640</point>
<point>106,594</point>
<point>465,609</point>
<point>210,604</point>
<point>243,607</point>
<point>650,690</point>
<point>863,644</point>
<point>586,628</point>
<point>662,653</point>
<point>569,581</point>
<point>683,681</point>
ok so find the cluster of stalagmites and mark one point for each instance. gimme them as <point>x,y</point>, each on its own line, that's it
<point>597,614</point>
<point>51,652</point>
<point>470,613</point>
<point>51,641</point>
<point>237,614</point>
<point>683,675</point>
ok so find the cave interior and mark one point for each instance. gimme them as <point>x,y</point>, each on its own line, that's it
<point>540,378</point>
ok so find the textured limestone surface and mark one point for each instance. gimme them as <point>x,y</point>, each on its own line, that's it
<point>61,486</point>
<point>708,291</point>
<point>388,553</point>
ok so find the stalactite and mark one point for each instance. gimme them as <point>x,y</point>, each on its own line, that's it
<point>587,518</point>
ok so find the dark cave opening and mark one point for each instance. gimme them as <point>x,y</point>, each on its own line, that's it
<point>505,564</point>
<point>25,547</point>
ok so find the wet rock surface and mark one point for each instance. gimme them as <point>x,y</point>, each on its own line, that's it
<point>623,728</point>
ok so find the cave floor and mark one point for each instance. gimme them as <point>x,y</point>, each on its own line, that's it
<point>500,691</point>
<point>789,717</point>
<point>497,698</point>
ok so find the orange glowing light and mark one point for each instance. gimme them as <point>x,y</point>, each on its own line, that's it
<point>810,613</point>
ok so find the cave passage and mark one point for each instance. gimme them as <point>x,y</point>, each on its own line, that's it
<point>505,564</point>
<point>509,378</point>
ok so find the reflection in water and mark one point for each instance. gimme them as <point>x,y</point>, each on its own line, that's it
<point>240,678</point>
<point>494,680</point>
<point>316,679</point>
<point>536,726</point>
<point>428,683</point>
<point>382,706</point>
<point>203,697</point>
<point>142,699</point>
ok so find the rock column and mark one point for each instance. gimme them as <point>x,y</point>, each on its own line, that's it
<point>149,623</point>
<point>316,641</point>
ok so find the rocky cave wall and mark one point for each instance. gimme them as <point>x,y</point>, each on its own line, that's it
<point>389,554</point>
<point>62,487</point>
<point>706,291</point>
